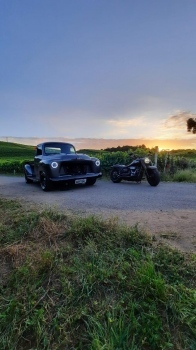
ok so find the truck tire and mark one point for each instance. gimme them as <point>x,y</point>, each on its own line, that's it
<point>45,183</point>
<point>90,182</point>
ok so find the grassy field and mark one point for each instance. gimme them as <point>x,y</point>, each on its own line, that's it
<point>15,151</point>
<point>84,283</point>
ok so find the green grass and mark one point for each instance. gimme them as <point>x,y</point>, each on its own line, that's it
<point>185,176</point>
<point>85,283</point>
<point>13,156</point>
<point>15,150</point>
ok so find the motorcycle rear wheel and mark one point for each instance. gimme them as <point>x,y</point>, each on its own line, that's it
<point>154,178</point>
<point>114,176</point>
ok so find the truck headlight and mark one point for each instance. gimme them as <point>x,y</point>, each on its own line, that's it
<point>54,165</point>
<point>146,160</point>
<point>97,162</point>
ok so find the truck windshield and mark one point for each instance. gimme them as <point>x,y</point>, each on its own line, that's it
<point>56,148</point>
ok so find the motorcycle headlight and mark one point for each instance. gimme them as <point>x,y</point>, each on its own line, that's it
<point>146,160</point>
<point>54,165</point>
<point>97,162</point>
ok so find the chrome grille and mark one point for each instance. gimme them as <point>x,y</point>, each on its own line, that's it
<point>68,168</point>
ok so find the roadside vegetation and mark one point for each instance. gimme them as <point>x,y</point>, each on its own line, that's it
<point>68,282</point>
<point>13,157</point>
<point>174,165</point>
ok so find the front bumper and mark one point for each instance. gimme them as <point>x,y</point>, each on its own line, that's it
<point>71,178</point>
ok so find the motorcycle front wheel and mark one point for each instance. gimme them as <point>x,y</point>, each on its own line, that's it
<point>114,176</point>
<point>153,178</point>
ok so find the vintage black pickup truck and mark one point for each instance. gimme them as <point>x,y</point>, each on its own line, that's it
<point>56,162</point>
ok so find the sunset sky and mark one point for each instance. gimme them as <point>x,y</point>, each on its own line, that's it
<point>98,69</point>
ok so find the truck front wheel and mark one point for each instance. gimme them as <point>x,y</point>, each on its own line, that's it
<point>45,183</point>
<point>90,182</point>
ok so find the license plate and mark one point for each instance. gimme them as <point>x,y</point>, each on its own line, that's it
<point>80,181</point>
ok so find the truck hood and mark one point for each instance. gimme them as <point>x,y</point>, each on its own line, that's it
<point>63,156</point>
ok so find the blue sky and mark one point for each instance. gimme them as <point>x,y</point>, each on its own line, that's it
<point>97,68</point>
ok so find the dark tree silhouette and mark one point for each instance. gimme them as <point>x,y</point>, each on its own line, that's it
<point>191,125</point>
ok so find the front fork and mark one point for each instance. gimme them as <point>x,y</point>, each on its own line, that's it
<point>150,171</point>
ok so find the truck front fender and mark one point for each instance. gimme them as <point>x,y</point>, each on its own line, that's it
<point>29,170</point>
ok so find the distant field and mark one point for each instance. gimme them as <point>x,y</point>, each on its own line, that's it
<point>19,151</point>
<point>13,156</point>
<point>15,151</point>
<point>186,153</point>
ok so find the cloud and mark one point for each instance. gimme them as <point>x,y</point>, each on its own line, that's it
<point>175,125</point>
<point>126,122</point>
<point>124,126</point>
<point>179,119</point>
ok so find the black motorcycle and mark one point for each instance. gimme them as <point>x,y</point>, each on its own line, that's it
<point>137,170</point>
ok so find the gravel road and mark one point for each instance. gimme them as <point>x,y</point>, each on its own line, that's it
<point>167,211</point>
